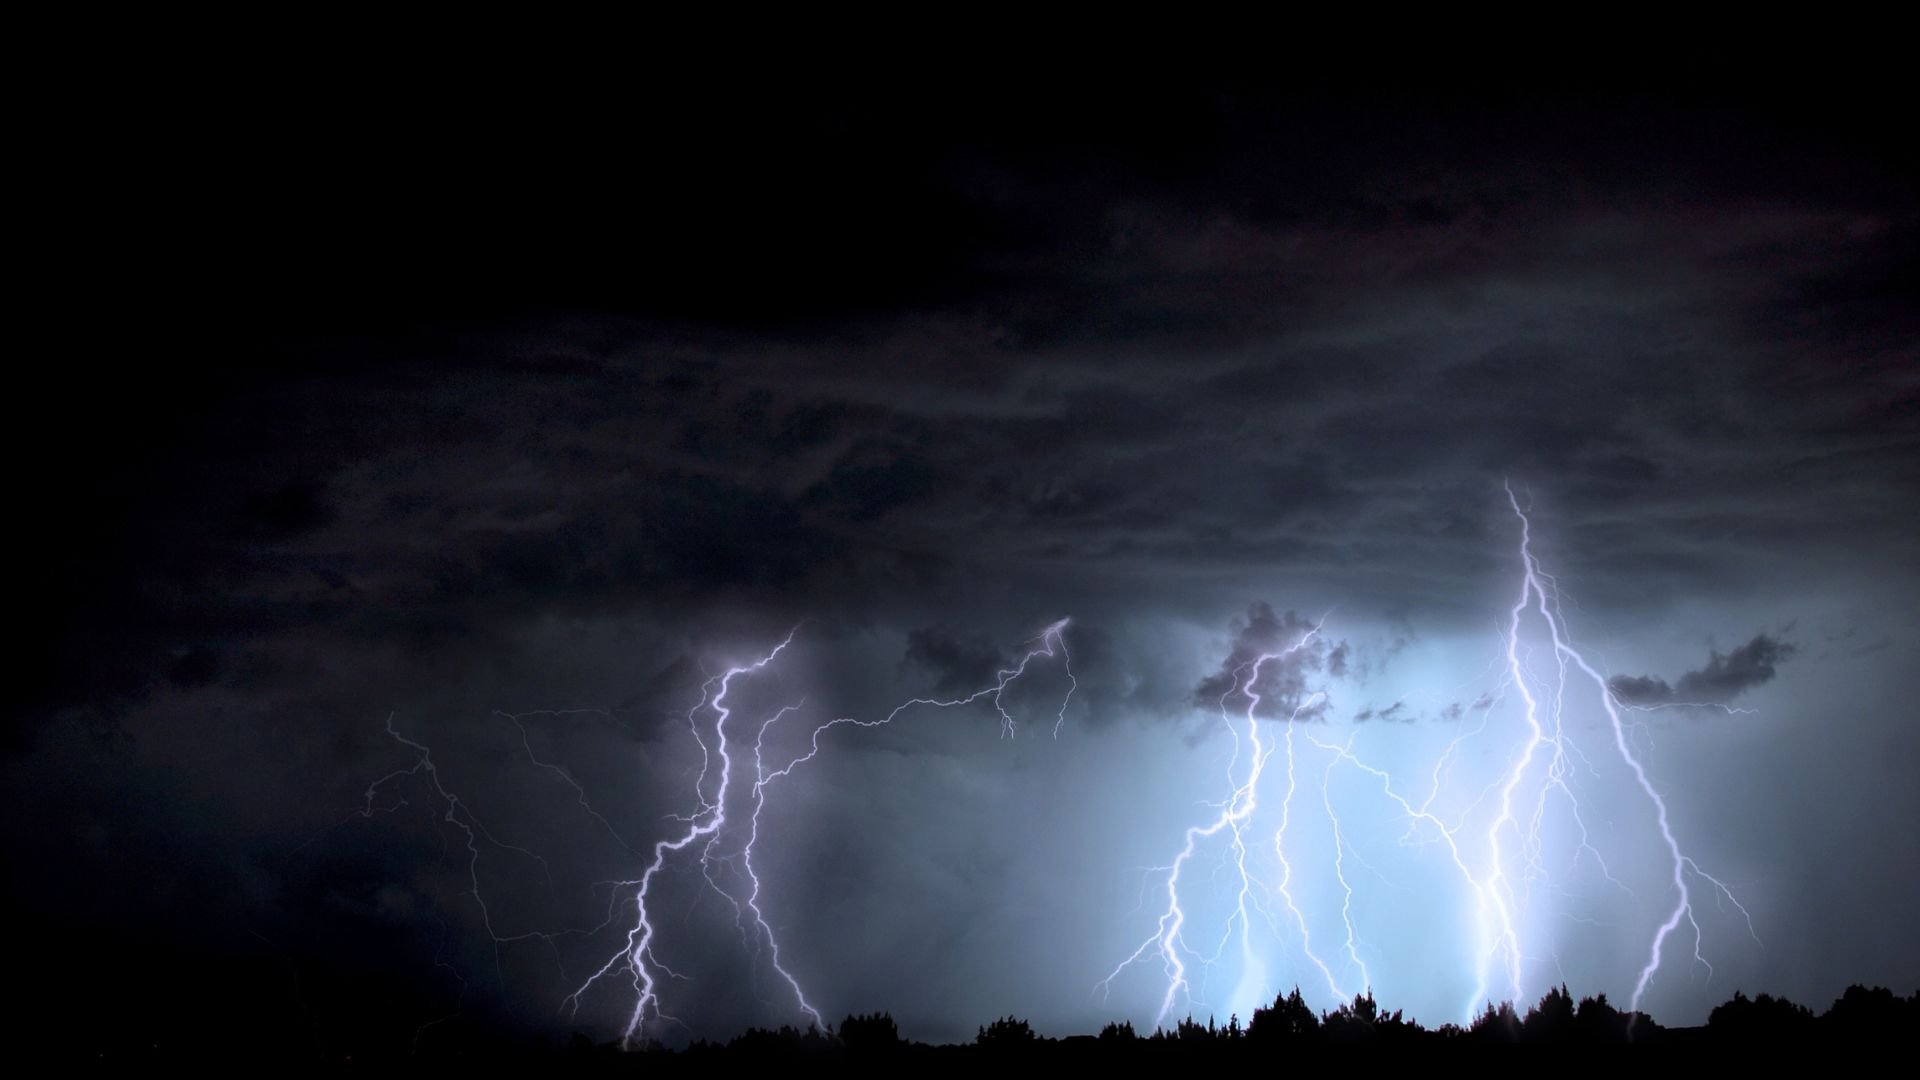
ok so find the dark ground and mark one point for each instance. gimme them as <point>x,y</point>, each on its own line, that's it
<point>1862,1021</point>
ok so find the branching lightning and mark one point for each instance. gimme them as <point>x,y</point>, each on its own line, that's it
<point>1511,841</point>
<point>1050,640</point>
<point>707,825</point>
<point>1505,864</point>
<point>637,958</point>
<point>1168,938</point>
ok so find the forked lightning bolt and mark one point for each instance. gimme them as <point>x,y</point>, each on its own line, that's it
<point>1049,640</point>
<point>637,957</point>
<point>1495,834</point>
<point>1168,939</point>
<point>706,825</point>
<point>1682,864</point>
<point>1502,865</point>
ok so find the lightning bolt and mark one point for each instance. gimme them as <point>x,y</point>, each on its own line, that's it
<point>1503,863</point>
<point>1051,642</point>
<point>1681,863</point>
<point>1168,937</point>
<point>453,810</point>
<point>1285,888</point>
<point>1340,873</point>
<point>1416,815</point>
<point>637,957</point>
<point>519,721</point>
<point>746,856</point>
<point>1496,835</point>
<point>707,825</point>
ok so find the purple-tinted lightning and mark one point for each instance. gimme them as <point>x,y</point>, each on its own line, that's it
<point>746,861</point>
<point>707,825</point>
<point>455,811</point>
<point>637,956</point>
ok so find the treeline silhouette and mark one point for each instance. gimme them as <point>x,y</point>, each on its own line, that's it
<point>1741,1027</point>
<point>1874,1021</point>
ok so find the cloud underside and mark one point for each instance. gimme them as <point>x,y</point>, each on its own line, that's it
<point>1724,677</point>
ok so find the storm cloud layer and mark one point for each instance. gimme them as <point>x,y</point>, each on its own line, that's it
<point>1725,677</point>
<point>526,420</point>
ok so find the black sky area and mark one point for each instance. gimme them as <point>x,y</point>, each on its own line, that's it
<point>394,379</point>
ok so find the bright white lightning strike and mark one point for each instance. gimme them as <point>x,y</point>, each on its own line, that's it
<point>710,820</point>
<point>1169,936</point>
<point>1565,653</point>
<point>1495,834</point>
<point>1501,865</point>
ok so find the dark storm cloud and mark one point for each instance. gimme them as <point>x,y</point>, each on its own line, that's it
<point>1337,660</point>
<point>505,422</point>
<point>958,662</point>
<point>1271,656</point>
<point>872,479</point>
<point>297,507</point>
<point>1724,677</point>
<point>1147,380</point>
<point>196,667</point>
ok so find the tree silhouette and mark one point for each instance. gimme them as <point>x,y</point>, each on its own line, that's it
<point>1006,1032</point>
<point>1761,1029</point>
<point>1290,1019</point>
<point>1496,1024</point>
<point>870,1033</point>
<point>1863,1015</point>
<point>1598,1022</point>
<point>1762,1019</point>
<point>1361,1021</point>
<point>1553,1020</point>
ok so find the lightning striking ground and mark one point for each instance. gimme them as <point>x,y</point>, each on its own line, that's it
<point>708,823</point>
<point>1497,835</point>
<point>637,956</point>
<point>1168,938</point>
<point>1681,862</point>
<point>1505,865</point>
<point>1051,639</point>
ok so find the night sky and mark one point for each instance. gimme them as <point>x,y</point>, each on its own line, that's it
<point>508,403</point>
